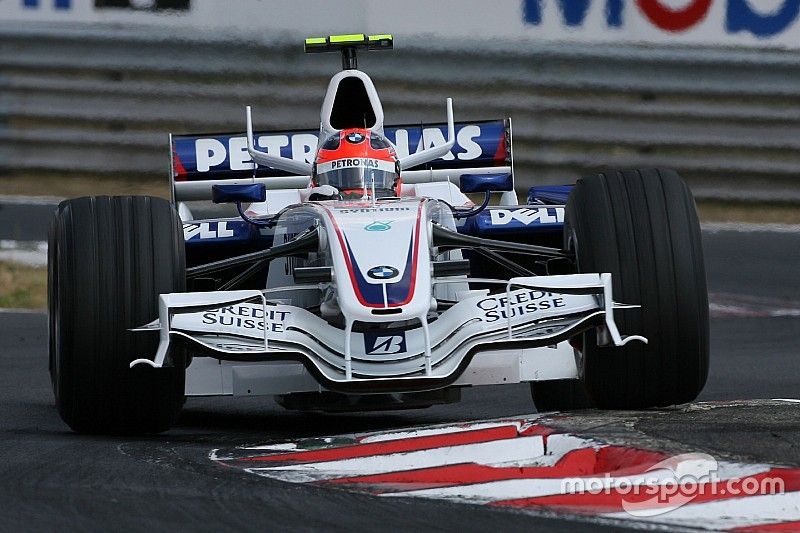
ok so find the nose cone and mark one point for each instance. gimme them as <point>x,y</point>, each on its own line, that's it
<point>381,259</point>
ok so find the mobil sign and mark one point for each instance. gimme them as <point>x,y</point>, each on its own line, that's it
<point>774,23</point>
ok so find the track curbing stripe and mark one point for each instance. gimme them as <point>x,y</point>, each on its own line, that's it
<point>522,464</point>
<point>504,450</point>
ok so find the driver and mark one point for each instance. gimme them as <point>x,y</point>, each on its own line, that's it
<point>352,163</point>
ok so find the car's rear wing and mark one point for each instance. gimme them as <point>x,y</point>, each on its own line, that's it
<point>200,161</point>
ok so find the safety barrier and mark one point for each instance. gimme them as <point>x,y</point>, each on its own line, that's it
<point>85,100</point>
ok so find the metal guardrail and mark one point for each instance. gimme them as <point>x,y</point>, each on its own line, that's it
<point>83,100</point>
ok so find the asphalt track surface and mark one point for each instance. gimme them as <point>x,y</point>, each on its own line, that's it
<point>25,219</point>
<point>53,479</point>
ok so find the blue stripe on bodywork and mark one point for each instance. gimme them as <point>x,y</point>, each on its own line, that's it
<point>549,194</point>
<point>396,292</point>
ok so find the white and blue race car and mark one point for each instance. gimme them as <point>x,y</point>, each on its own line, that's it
<point>359,275</point>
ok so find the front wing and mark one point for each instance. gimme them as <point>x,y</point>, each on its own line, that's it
<point>247,326</point>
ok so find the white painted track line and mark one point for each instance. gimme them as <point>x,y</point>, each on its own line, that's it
<point>29,253</point>
<point>445,430</point>
<point>12,310</point>
<point>749,227</point>
<point>30,200</point>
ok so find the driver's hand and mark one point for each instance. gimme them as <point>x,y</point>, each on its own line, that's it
<point>324,192</point>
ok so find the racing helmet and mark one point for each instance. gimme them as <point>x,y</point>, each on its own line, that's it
<point>354,160</point>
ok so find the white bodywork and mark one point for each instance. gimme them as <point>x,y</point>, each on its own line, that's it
<point>376,326</point>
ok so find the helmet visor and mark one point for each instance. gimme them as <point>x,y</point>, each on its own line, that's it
<point>357,173</point>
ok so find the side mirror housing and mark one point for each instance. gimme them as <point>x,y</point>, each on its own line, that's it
<point>226,194</point>
<point>486,183</point>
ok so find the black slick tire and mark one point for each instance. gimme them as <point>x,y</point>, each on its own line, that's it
<point>109,259</point>
<point>559,395</point>
<point>642,227</point>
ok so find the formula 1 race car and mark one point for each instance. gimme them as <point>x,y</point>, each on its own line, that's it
<point>359,275</point>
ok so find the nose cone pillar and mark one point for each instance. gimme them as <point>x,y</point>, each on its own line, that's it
<point>381,258</point>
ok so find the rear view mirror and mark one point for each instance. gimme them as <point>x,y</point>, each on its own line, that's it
<point>251,192</point>
<point>486,183</point>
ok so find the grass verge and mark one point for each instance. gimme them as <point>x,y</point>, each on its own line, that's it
<point>748,212</point>
<point>72,187</point>
<point>22,287</point>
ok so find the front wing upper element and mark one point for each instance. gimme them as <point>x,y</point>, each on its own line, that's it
<point>245,325</point>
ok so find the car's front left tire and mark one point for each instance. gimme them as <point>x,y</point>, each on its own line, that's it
<point>109,259</point>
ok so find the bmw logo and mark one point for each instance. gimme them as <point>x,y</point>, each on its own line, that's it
<point>354,137</point>
<point>383,272</point>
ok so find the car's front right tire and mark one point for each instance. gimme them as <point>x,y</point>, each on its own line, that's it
<point>642,227</point>
<point>559,395</point>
